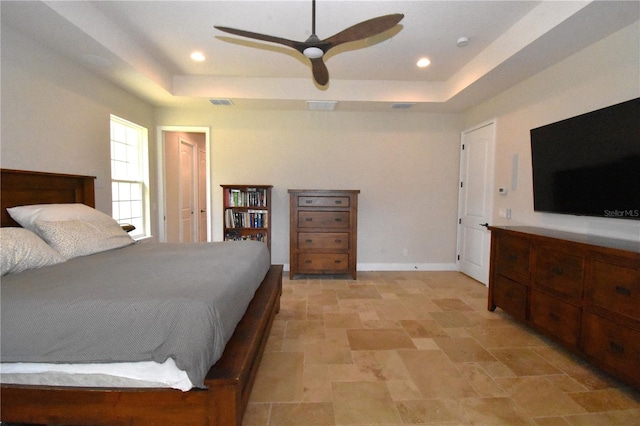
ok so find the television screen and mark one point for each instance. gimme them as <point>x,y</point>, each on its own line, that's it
<point>590,164</point>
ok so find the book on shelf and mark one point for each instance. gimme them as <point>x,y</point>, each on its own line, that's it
<point>236,236</point>
<point>246,219</point>
<point>252,197</point>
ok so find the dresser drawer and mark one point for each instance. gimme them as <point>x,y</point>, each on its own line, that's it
<point>614,287</point>
<point>616,346</point>
<point>323,240</point>
<point>316,201</point>
<point>335,263</point>
<point>558,271</point>
<point>323,219</point>
<point>510,296</point>
<point>513,257</point>
<point>559,319</point>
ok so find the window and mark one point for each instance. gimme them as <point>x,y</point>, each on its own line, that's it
<point>130,175</point>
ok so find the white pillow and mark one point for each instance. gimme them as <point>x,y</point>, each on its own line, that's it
<point>26,216</point>
<point>73,238</point>
<point>21,249</point>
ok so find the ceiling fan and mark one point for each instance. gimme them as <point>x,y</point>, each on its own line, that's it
<point>314,48</point>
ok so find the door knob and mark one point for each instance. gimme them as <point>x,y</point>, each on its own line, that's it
<point>486,225</point>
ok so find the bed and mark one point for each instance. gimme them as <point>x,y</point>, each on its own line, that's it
<point>220,400</point>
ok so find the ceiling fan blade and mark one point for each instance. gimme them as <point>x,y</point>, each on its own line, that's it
<point>320,71</point>
<point>365,29</point>
<point>314,48</point>
<point>290,43</point>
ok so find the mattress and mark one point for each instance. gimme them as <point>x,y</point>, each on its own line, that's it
<point>141,303</point>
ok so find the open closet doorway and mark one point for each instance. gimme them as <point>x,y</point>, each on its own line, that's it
<point>184,184</point>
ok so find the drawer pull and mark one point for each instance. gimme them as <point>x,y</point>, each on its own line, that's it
<point>617,348</point>
<point>623,290</point>
<point>556,271</point>
<point>307,261</point>
<point>308,201</point>
<point>554,316</point>
<point>309,219</point>
<point>308,241</point>
<point>338,241</point>
<point>338,201</point>
<point>338,219</point>
<point>512,257</point>
<point>337,261</point>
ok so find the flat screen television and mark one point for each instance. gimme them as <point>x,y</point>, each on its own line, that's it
<point>589,165</point>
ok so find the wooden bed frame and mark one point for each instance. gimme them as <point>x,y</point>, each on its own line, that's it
<point>228,382</point>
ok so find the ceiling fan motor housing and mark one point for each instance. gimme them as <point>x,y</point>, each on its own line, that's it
<point>313,52</point>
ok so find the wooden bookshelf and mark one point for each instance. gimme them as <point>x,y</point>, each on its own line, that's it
<point>247,213</point>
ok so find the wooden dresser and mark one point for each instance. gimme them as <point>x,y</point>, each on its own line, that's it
<point>582,291</point>
<point>323,236</point>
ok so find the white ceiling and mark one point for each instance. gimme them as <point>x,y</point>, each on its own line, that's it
<point>144,46</point>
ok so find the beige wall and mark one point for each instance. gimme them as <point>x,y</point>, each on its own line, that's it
<point>604,74</point>
<point>405,165</point>
<point>55,115</point>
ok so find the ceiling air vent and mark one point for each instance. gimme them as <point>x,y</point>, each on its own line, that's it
<point>321,105</point>
<point>402,105</point>
<point>222,102</point>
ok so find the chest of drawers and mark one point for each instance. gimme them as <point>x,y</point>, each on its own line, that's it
<point>582,291</point>
<point>323,232</point>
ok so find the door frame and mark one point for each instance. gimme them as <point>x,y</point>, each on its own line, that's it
<point>162,207</point>
<point>491,182</point>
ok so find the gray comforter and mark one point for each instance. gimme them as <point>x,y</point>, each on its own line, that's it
<point>144,302</point>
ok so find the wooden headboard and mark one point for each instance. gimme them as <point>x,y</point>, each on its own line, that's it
<point>21,187</point>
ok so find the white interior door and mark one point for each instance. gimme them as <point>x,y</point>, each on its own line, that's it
<point>475,201</point>
<point>188,203</point>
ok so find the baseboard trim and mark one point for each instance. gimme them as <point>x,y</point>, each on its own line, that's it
<point>407,267</point>
<point>402,267</point>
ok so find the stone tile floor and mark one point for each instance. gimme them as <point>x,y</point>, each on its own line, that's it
<point>402,348</point>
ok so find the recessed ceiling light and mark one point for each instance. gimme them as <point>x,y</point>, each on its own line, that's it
<point>198,56</point>
<point>423,62</point>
